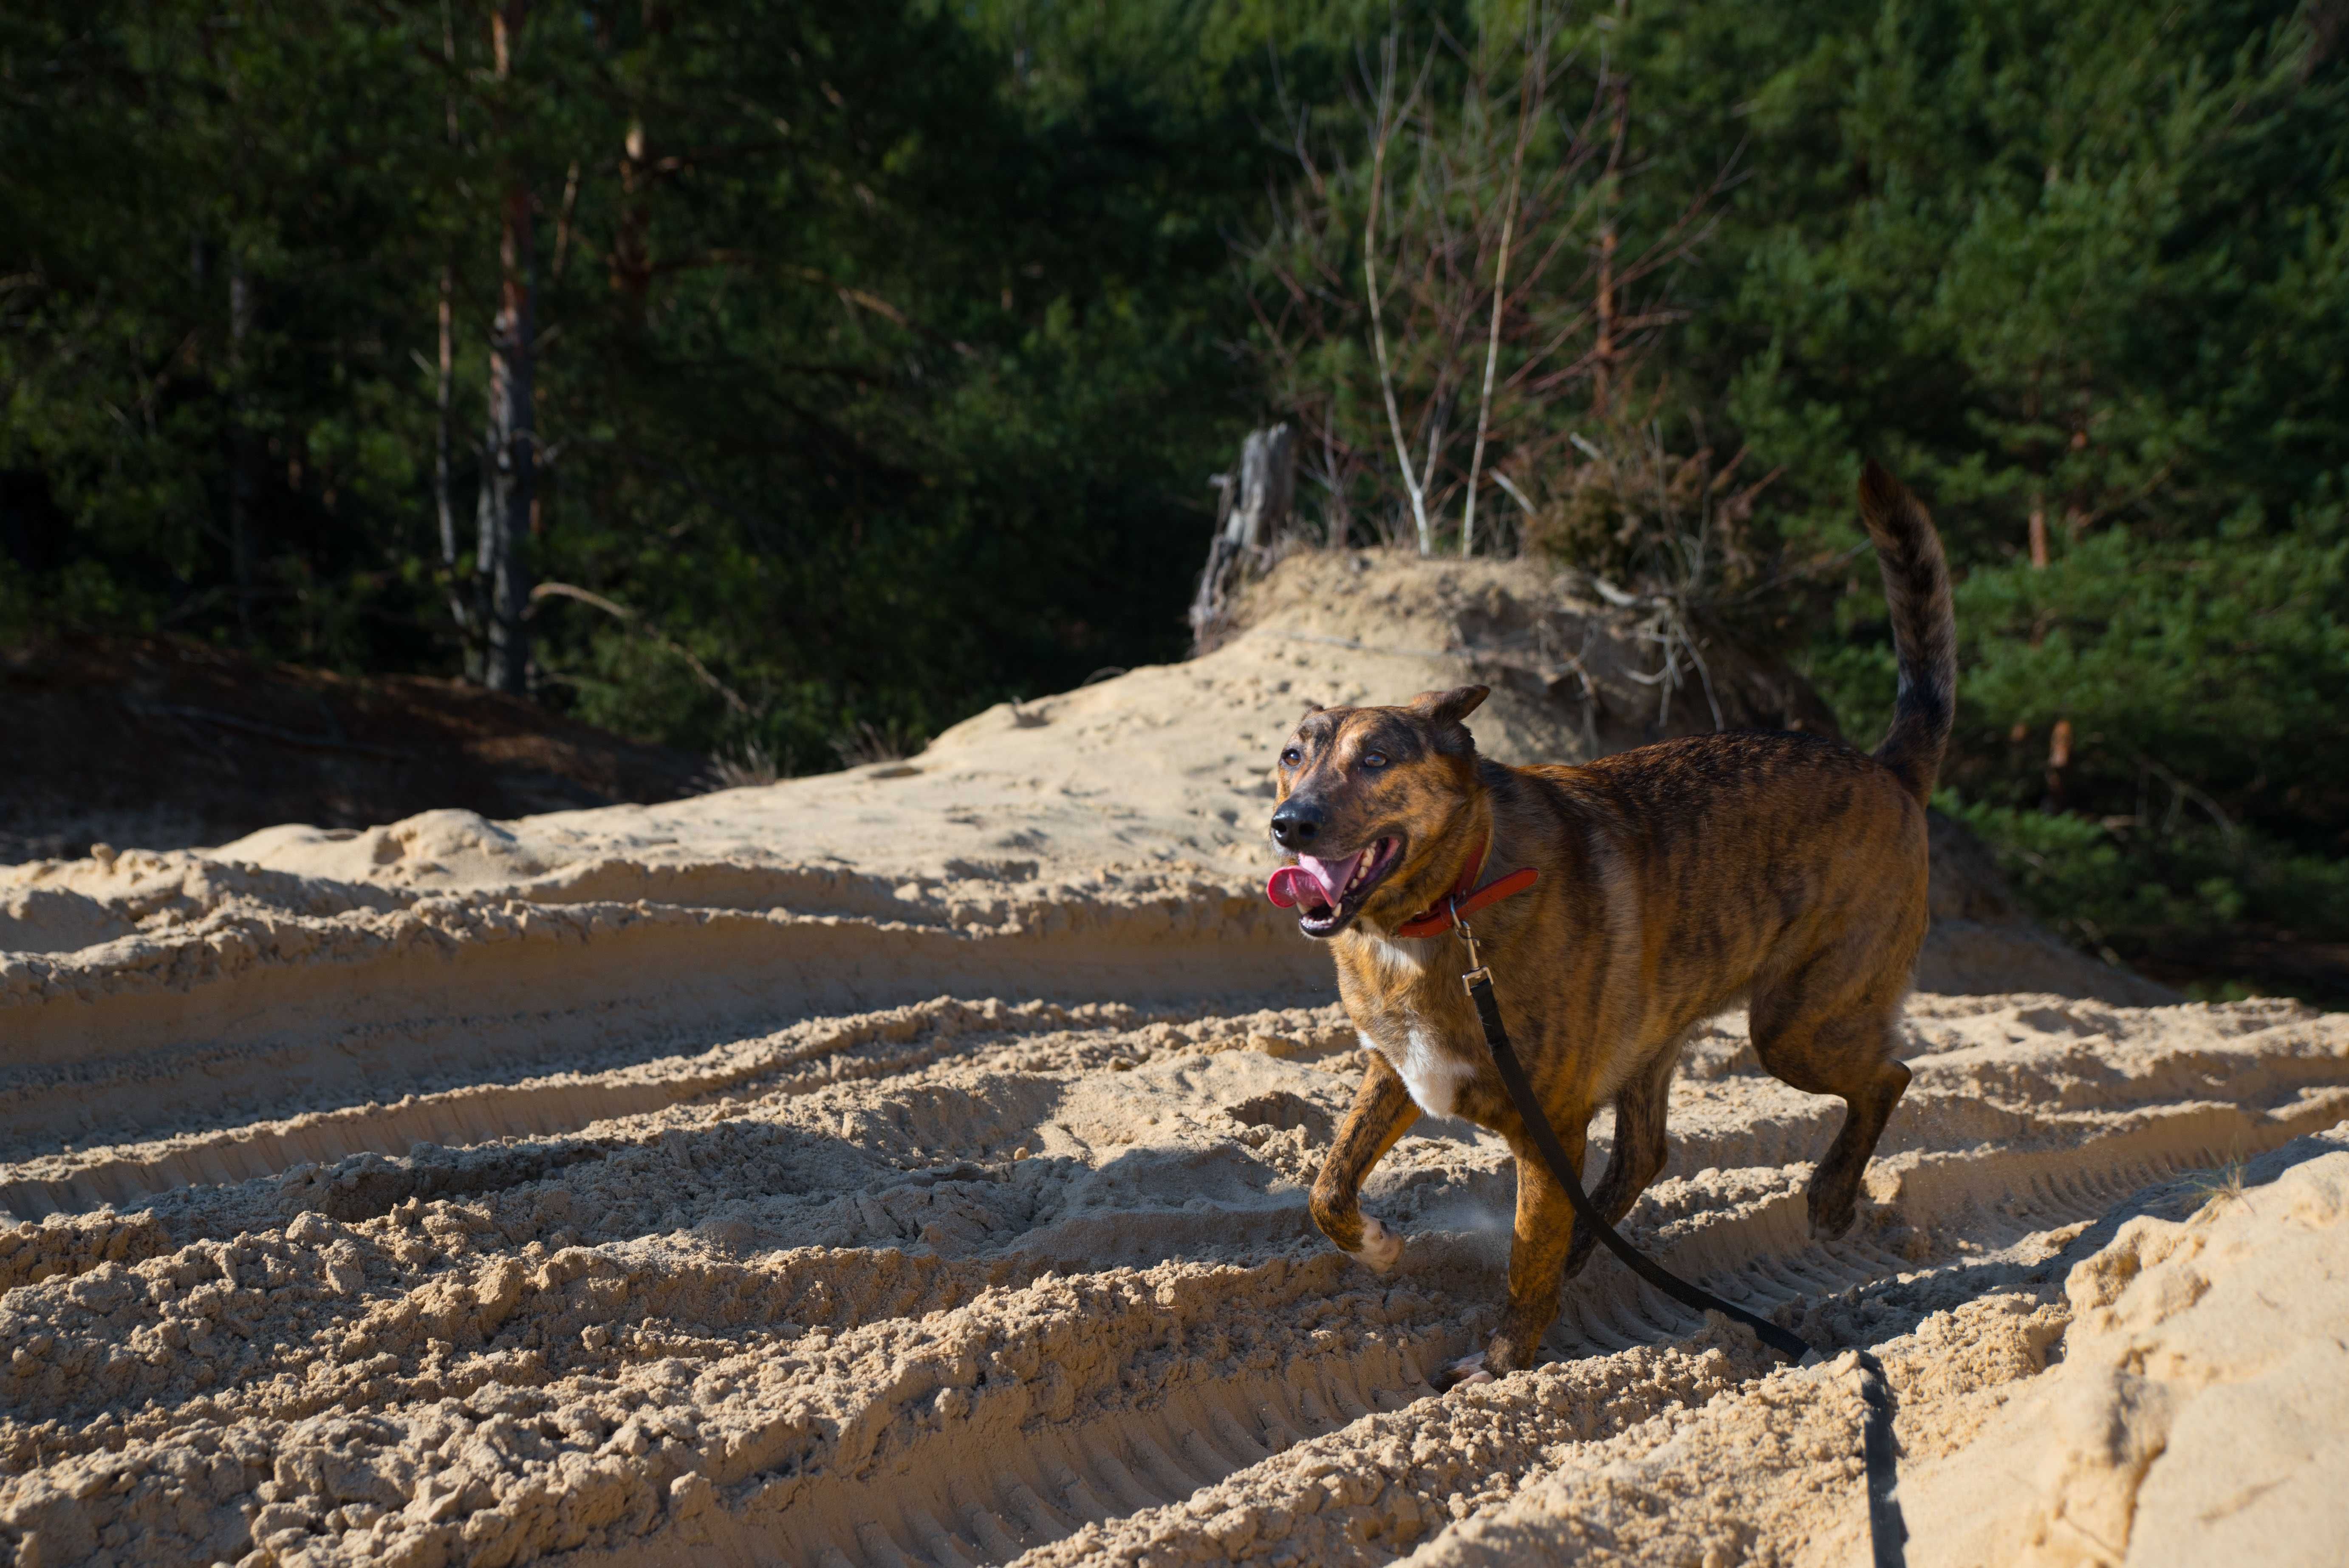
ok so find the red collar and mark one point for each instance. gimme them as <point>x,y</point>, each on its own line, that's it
<point>1460,901</point>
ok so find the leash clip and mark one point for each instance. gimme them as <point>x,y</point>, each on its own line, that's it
<point>1476,971</point>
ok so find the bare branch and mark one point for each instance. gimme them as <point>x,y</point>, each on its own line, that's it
<point>637,622</point>
<point>1529,94</point>
<point>1382,133</point>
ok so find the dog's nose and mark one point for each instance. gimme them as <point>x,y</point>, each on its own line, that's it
<point>1293,829</point>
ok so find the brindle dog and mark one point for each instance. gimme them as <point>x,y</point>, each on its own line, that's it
<point>1786,872</point>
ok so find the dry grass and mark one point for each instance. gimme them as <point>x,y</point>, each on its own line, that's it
<point>1636,512</point>
<point>864,742</point>
<point>2219,1186</point>
<point>751,763</point>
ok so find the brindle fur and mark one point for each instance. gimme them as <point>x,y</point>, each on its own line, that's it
<point>1784,872</point>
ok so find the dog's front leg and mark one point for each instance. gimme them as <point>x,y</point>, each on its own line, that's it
<point>1544,1229</point>
<point>1382,1112</point>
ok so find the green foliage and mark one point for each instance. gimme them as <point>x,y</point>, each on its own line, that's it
<point>2089,262</point>
<point>2158,896</point>
<point>879,362</point>
<point>2227,665</point>
<point>883,347</point>
<point>2097,255</point>
<point>147,162</point>
<point>1456,284</point>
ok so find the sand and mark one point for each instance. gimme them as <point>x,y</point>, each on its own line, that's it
<point>908,1165</point>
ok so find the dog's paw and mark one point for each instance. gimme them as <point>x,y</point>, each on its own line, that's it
<point>1380,1249</point>
<point>1468,1369</point>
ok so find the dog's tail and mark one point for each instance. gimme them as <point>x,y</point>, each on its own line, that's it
<point>1924,629</point>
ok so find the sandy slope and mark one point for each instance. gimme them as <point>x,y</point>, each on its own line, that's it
<point>164,741</point>
<point>909,1166</point>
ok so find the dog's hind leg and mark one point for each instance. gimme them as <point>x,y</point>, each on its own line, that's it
<point>1382,1112</point>
<point>1640,1148</point>
<point>1829,1033</point>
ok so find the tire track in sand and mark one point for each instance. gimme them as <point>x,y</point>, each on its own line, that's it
<point>958,1284</point>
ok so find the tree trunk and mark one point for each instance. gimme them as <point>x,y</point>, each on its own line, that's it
<point>485,555</point>
<point>1602,372</point>
<point>1602,355</point>
<point>462,592</point>
<point>631,266</point>
<point>243,455</point>
<point>513,466</point>
<point>513,444</point>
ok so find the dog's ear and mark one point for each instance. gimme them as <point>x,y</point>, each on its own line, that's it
<point>1312,708</point>
<point>1443,711</point>
<point>1439,708</point>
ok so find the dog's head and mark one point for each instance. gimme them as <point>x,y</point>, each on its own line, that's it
<point>1368,796</point>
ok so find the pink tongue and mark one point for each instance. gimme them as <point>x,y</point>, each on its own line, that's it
<point>1333,875</point>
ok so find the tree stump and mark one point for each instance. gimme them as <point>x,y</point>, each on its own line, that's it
<point>1253,508</point>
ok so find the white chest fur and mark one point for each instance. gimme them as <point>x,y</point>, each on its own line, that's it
<point>1433,1074</point>
<point>1397,959</point>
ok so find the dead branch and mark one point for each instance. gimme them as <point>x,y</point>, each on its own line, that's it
<point>636,622</point>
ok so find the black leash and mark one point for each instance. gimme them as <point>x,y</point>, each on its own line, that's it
<point>1887,1532</point>
<point>1479,983</point>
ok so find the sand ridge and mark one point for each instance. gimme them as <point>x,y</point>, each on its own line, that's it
<point>909,1166</point>
<point>966,1282</point>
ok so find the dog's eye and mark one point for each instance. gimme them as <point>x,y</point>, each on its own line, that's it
<point>1374,759</point>
<point>1291,758</point>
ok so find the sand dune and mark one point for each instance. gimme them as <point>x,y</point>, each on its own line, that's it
<point>909,1165</point>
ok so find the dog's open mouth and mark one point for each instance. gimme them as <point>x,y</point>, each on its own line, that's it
<point>1327,892</point>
